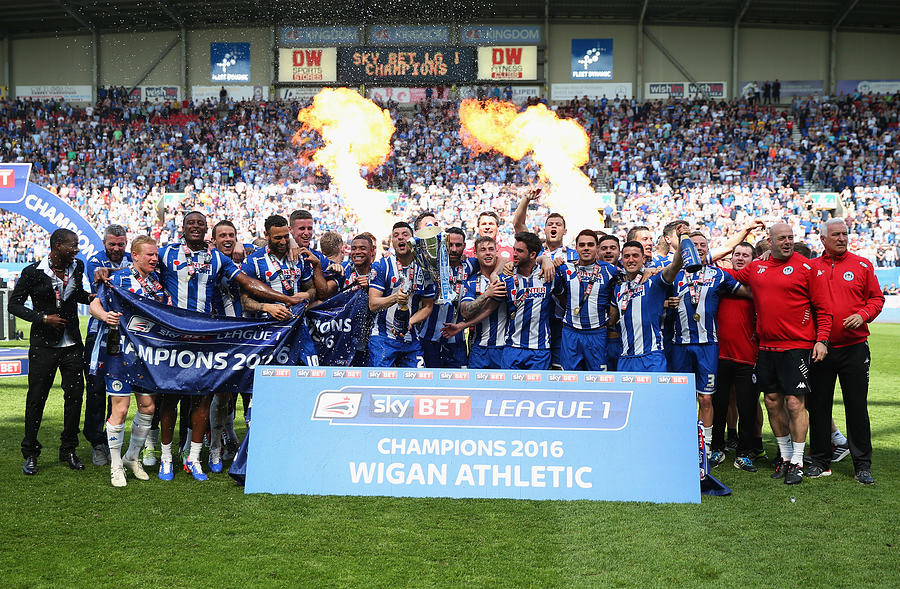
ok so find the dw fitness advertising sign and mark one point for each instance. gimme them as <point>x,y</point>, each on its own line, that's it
<point>473,433</point>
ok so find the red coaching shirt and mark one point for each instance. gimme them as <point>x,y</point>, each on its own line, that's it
<point>854,289</point>
<point>737,329</point>
<point>793,309</point>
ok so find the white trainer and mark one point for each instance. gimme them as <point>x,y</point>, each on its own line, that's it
<point>117,476</point>
<point>136,469</point>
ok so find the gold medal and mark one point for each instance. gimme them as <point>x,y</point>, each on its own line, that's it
<point>576,310</point>
<point>696,316</point>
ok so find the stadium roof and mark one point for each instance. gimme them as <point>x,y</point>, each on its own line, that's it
<point>42,17</point>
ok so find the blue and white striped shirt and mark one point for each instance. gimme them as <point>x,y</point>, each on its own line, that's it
<point>386,277</point>
<point>640,314</point>
<point>447,312</point>
<point>491,331</point>
<point>192,277</point>
<point>280,274</point>
<point>708,285</point>
<point>125,279</point>
<point>101,260</point>
<point>530,302</point>
<point>589,290</point>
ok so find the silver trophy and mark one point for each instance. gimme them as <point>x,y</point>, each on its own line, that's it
<point>432,256</point>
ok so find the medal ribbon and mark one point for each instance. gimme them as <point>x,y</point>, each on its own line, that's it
<point>151,287</point>
<point>590,287</point>
<point>287,276</point>
<point>59,286</point>
<point>205,258</point>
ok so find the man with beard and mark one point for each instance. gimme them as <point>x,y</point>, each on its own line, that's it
<point>114,257</point>
<point>609,251</point>
<point>398,285</point>
<point>479,306</point>
<point>301,231</point>
<point>438,349</point>
<point>54,286</point>
<point>588,288</point>
<point>272,266</point>
<point>554,232</point>
<point>638,307</point>
<point>793,320</point>
<point>191,273</point>
<point>530,300</point>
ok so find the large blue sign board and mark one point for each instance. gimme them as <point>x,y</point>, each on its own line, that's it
<point>42,207</point>
<point>474,433</point>
<point>592,59</point>
<point>229,62</point>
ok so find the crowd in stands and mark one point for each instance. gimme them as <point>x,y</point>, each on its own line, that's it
<point>704,161</point>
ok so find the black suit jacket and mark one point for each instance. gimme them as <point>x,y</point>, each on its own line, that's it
<point>36,284</point>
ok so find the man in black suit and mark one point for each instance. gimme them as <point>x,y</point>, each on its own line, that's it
<point>55,287</point>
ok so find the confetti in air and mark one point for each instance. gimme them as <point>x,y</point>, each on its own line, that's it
<point>356,133</point>
<point>558,146</point>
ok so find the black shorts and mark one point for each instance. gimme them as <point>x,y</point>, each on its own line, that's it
<point>784,372</point>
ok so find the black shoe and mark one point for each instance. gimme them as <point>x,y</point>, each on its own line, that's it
<point>72,460</point>
<point>863,476</point>
<point>815,471</point>
<point>30,466</point>
<point>780,468</point>
<point>793,475</point>
<point>731,444</point>
<point>758,454</point>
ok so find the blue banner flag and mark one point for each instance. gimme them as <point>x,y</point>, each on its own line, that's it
<point>171,350</point>
<point>337,325</point>
<point>42,207</point>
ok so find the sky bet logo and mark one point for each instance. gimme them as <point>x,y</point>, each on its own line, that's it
<point>421,406</point>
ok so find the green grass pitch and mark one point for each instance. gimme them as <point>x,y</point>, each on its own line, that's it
<point>66,529</point>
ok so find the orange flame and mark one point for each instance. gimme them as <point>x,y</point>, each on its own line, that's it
<point>558,146</point>
<point>356,133</point>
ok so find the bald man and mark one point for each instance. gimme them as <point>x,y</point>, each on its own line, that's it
<point>793,324</point>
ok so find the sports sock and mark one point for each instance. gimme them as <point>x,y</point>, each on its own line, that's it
<point>229,426</point>
<point>797,457</point>
<point>195,451</point>
<point>187,441</point>
<point>838,439</point>
<point>166,452</point>
<point>216,424</point>
<point>114,435</point>
<point>152,439</point>
<point>784,445</point>
<point>140,427</point>
<point>707,440</point>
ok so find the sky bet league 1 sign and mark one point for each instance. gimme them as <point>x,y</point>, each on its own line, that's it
<point>473,433</point>
<point>42,207</point>
<point>229,62</point>
<point>592,59</point>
